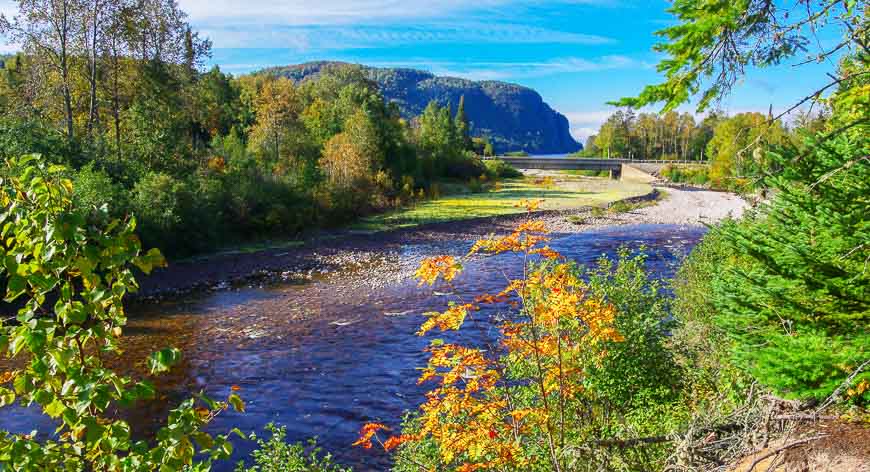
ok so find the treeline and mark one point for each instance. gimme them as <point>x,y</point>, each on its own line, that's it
<point>115,91</point>
<point>670,136</point>
<point>732,145</point>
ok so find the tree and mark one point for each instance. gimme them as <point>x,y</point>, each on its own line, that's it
<point>738,146</point>
<point>346,163</point>
<point>435,136</point>
<point>488,149</point>
<point>463,128</point>
<point>591,148</point>
<point>712,44</point>
<point>790,292</point>
<point>277,110</point>
<point>48,30</point>
<point>794,295</point>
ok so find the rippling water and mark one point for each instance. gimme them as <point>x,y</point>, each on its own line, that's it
<point>325,356</point>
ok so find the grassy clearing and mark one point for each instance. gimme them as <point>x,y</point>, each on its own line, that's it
<point>587,173</point>
<point>557,191</point>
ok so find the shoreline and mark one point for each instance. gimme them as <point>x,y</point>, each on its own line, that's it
<point>326,252</point>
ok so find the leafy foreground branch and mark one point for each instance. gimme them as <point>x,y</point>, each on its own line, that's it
<point>68,270</point>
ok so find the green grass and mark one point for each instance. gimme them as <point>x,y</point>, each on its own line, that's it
<point>566,192</point>
<point>587,173</point>
<point>459,203</point>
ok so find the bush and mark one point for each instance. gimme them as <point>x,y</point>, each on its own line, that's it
<point>703,349</point>
<point>19,137</point>
<point>695,175</point>
<point>465,166</point>
<point>583,359</point>
<point>276,455</point>
<point>86,270</point>
<point>95,188</point>
<point>641,363</point>
<point>475,185</point>
<point>157,202</point>
<point>499,169</point>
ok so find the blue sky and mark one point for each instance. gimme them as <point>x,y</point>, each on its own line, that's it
<point>577,53</point>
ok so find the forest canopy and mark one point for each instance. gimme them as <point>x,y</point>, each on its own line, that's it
<point>116,91</point>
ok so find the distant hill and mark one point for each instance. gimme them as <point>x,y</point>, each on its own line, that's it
<point>515,118</point>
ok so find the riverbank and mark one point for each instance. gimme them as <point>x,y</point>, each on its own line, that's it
<point>361,252</point>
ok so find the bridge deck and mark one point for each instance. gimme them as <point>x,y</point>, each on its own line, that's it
<point>571,163</point>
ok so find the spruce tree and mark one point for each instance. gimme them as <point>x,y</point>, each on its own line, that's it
<point>795,296</point>
<point>463,128</point>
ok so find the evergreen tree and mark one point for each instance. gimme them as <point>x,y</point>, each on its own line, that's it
<point>463,128</point>
<point>796,299</point>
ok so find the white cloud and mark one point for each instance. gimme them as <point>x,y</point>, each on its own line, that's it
<point>515,70</point>
<point>332,12</point>
<point>329,37</point>
<point>586,123</point>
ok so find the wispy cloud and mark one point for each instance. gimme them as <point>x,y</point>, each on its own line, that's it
<point>332,12</point>
<point>322,38</point>
<point>521,70</point>
<point>503,70</point>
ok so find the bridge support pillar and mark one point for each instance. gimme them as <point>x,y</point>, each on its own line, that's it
<point>615,173</point>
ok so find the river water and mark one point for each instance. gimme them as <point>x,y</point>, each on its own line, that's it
<point>325,356</point>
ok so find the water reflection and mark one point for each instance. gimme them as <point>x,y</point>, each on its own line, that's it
<point>324,357</point>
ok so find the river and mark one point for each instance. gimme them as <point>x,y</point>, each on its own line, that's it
<point>326,355</point>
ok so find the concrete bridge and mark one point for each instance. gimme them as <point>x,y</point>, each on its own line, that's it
<point>617,168</point>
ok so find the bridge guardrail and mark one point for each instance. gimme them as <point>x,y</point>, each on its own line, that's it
<point>603,160</point>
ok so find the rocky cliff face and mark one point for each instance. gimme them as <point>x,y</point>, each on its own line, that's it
<point>515,118</point>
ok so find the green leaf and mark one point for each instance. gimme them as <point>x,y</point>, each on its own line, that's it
<point>204,440</point>
<point>151,260</point>
<point>237,403</point>
<point>15,287</point>
<point>163,360</point>
<point>54,409</point>
<point>7,397</point>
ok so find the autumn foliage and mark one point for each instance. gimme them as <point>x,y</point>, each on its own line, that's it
<point>514,406</point>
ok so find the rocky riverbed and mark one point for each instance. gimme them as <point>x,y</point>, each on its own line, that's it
<point>360,256</point>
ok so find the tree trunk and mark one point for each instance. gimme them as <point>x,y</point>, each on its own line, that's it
<point>92,112</point>
<point>64,69</point>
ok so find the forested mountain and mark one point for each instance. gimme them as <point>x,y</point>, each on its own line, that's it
<point>513,117</point>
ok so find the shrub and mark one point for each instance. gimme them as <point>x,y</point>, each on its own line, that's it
<point>475,185</point>
<point>695,175</point>
<point>641,363</point>
<point>702,348</point>
<point>499,169</point>
<point>19,136</point>
<point>276,455</point>
<point>50,252</point>
<point>94,188</point>
<point>465,166</point>
<point>157,202</point>
<point>578,363</point>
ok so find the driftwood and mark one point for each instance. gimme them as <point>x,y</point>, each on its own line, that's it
<point>780,449</point>
<point>805,417</point>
